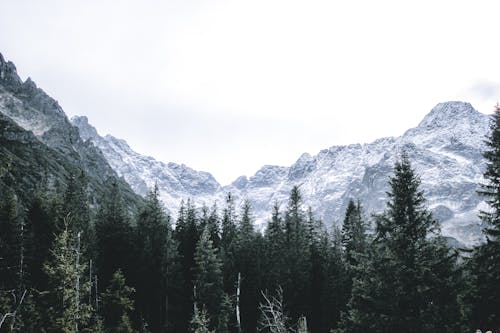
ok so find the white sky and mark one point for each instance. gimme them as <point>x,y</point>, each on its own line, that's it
<point>228,86</point>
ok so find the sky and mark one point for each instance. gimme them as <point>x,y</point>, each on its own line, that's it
<point>229,86</point>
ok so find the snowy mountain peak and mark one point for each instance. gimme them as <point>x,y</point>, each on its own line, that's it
<point>448,114</point>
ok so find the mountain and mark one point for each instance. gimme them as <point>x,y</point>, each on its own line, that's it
<point>40,147</point>
<point>175,182</point>
<point>445,149</point>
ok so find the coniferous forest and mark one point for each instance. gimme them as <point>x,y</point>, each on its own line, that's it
<point>71,265</point>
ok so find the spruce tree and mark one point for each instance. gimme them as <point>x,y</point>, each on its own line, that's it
<point>483,268</point>
<point>296,284</point>
<point>208,278</point>
<point>201,321</point>
<point>153,231</point>
<point>408,282</point>
<point>353,233</point>
<point>186,235</point>
<point>248,266</point>
<point>113,235</point>
<point>274,251</point>
<point>67,310</point>
<point>117,305</point>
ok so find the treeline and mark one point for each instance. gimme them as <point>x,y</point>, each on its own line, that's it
<point>68,266</point>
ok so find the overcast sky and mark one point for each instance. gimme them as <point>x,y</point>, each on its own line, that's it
<point>228,86</point>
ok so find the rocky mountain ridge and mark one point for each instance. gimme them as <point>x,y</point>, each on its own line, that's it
<point>445,149</point>
<point>28,113</point>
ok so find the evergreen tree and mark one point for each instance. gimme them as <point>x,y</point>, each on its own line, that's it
<point>117,305</point>
<point>483,268</point>
<point>40,230</point>
<point>113,236</point>
<point>296,286</point>
<point>153,230</point>
<point>208,278</point>
<point>274,251</point>
<point>187,235</point>
<point>200,322</point>
<point>353,233</point>
<point>248,265</point>
<point>228,246</point>
<point>66,308</point>
<point>407,267</point>
<point>75,206</point>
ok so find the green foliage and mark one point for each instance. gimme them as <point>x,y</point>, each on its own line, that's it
<point>113,235</point>
<point>117,304</point>
<point>153,238</point>
<point>200,321</point>
<point>208,277</point>
<point>353,233</point>
<point>482,295</point>
<point>408,282</point>
<point>67,292</point>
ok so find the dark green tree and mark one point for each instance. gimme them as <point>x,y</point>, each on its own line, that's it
<point>408,282</point>
<point>296,280</point>
<point>186,235</point>
<point>152,239</point>
<point>482,296</point>
<point>208,277</point>
<point>117,305</point>
<point>67,309</point>
<point>113,236</point>
<point>248,266</point>
<point>354,239</point>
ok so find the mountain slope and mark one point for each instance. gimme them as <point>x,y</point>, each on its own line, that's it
<point>445,149</point>
<point>39,144</point>
<point>175,182</point>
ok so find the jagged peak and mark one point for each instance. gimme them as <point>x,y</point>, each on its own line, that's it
<point>445,114</point>
<point>86,130</point>
<point>8,73</point>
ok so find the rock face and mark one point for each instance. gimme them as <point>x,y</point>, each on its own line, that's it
<point>28,113</point>
<point>175,182</point>
<point>445,149</point>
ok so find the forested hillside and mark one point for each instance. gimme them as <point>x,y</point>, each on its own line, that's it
<point>67,266</point>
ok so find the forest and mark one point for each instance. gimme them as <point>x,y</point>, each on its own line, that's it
<point>68,264</point>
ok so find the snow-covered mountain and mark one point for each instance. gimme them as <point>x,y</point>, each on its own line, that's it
<point>445,148</point>
<point>175,182</point>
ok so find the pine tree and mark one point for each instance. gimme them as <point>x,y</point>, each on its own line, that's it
<point>408,282</point>
<point>186,235</point>
<point>117,305</point>
<point>483,269</point>
<point>208,277</point>
<point>67,310</point>
<point>228,246</point>
<point>296,286</point>
<point>75,206</point>
<point>200,322</point>
<point>248,265</point>
<point>113,235</point>
<point>153,232</point>
<point>274,263</point>
<point>353,233</point>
